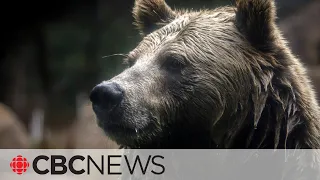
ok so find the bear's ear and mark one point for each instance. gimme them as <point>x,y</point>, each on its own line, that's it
<point>256,21</point>
<point>151,14</point>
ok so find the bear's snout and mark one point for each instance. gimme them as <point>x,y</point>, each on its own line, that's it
<point>106,95</point>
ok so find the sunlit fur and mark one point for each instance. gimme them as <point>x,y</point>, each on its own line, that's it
<point>241,87</point>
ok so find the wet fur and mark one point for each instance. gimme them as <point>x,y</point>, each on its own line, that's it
<point>242,86</point>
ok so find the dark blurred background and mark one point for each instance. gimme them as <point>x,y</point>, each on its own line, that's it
<point>51,57</point>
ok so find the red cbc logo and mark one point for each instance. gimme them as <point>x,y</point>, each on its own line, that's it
<point>19,165</point>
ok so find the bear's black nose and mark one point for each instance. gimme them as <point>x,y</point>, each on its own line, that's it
<point>106,95</point>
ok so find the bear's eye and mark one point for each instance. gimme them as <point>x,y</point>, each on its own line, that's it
<point>174,64</point>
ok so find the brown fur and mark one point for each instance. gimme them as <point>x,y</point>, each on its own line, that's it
<point>214,78</point>
<point>145,16</point>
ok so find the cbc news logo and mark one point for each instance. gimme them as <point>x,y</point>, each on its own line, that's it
<point>59,164</point>
<point>19,165</point>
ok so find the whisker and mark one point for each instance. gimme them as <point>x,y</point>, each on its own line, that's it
<point>123,55</point>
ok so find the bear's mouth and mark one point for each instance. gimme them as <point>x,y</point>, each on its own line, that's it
<point>115,125</point>
<point>118,129</point>
<point>126,134</point>
<point>127,127</point>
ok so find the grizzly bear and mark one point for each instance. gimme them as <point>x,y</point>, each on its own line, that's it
<point>220,78</point>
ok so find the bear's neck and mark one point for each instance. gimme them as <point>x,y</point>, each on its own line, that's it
<point>284,123</point>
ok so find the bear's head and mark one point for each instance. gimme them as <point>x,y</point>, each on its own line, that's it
<point>209,78</point>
